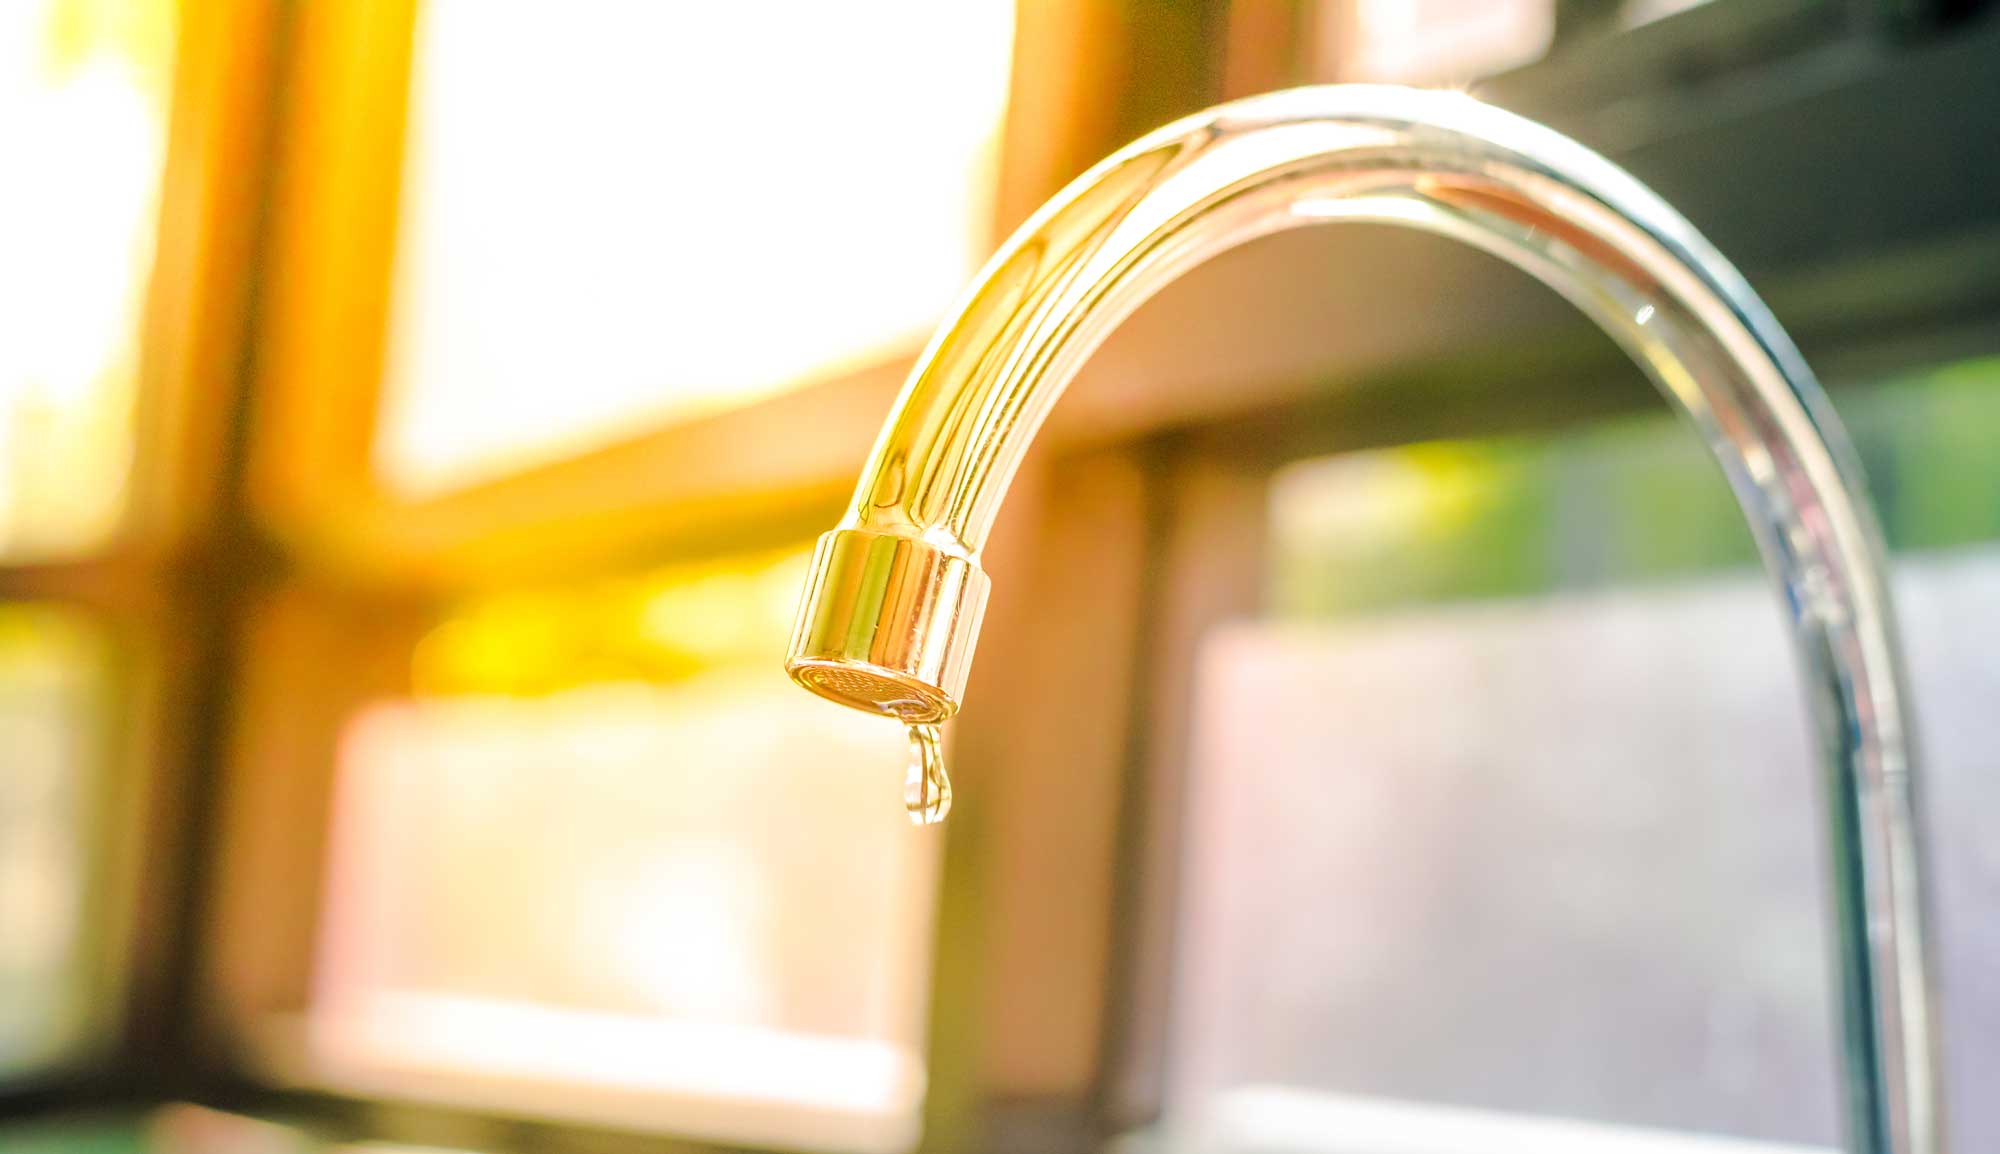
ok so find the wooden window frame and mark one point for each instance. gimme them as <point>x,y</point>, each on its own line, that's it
<point>785,463</point>
<point>353,573</point>
<point>152,585</point>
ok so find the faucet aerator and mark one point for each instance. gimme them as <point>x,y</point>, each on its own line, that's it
<point>888,624</point>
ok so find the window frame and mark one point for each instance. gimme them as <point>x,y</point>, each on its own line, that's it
<point>351,574</point>
<point>150,584</point>
<point>791,459</point>
<point>1165,465</point>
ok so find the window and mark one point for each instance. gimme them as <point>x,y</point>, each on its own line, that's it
<point>87,94</point>
<point>567,306</point>
<point>511,351</point>
<point>676,209</point>
<point>611,864</point>
<point>530,259</point>
<point>57,822</point>
<point>84,97</point>
<point>1519,732</point>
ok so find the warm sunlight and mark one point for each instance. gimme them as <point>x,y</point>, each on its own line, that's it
<point>610,863</point>
<point>84,93</point>
<point>620,215</point>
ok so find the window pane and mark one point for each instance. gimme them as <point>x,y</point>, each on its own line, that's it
<point>84,93</point>
<point>53,819</point>
<point>621,869</point>
<point>618,215</point>
<point>1508,805</point>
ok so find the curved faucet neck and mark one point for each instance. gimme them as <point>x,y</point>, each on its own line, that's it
<point>892,613</point>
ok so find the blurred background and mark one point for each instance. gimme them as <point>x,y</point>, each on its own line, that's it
<point>414,415</point>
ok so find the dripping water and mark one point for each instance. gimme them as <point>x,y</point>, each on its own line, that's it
<point>926,789</point>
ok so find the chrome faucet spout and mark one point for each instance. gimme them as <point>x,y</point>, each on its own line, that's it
<point>892,610</point>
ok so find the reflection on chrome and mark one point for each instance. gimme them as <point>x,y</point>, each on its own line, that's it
<point>893,603</point>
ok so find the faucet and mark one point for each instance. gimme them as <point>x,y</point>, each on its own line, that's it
<point>892,606</point>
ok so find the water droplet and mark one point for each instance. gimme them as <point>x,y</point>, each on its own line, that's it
<point>926,789</point>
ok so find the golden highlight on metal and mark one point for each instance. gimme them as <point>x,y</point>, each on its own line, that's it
<point>888,625</point>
